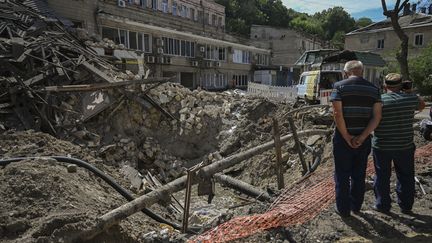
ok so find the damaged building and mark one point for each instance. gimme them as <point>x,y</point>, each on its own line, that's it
<point>185,39</point>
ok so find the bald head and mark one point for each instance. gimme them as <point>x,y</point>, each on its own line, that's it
<point>354,68</point>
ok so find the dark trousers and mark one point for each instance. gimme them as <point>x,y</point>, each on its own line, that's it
<point>350,173</point>
<point>405,187</point>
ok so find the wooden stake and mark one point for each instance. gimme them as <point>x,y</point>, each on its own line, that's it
<point>298,145</point>
<point>278,151</point>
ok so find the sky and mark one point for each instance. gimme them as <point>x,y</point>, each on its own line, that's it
<point>357,8</point>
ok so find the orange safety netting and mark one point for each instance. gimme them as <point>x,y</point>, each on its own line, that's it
<point>294,206</point>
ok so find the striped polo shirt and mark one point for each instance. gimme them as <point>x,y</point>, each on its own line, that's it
<point>395,131</point>
<point>358,97</point>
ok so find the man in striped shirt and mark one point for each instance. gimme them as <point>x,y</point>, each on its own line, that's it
<point>393,141</point>
<point>357,112</point>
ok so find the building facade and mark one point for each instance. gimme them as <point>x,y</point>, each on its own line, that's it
<point>286,47</point>
<point>380,37</point>
<point>184,39</point>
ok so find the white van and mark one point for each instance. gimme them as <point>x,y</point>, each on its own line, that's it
<point>312,82</point>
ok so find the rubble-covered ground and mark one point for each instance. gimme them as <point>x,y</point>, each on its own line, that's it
<point>43,201</point>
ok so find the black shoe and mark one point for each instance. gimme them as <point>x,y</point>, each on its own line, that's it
<point>343,215</point>
<point>384,211</point>
<point>356,212</point>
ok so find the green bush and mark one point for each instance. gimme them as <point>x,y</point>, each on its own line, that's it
<point>421,71</point>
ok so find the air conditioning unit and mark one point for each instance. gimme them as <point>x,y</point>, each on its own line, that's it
<point>160,60</point>
<point>150,59</point>
<point>121,3</point>
<point>202,48</point>
<point>167,60</point>
<point>160,50</point>
<point>218,64</point>
<point>209,64</point>
<point>159,42</point>
<point>194,63</point>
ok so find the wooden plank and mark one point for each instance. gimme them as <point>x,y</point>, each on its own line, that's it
<point>97,72</point>
<point>278,151</point>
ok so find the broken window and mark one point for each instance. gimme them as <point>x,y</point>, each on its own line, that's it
<point>123,37</point>
<point>111,34</point>
<point>133,42</point>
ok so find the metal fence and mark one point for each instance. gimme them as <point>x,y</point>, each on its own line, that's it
<point>274,92</point>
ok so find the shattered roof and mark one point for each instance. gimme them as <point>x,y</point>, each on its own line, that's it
<point>314,56</point>
<point>408,21</point>
<point>367,58</point>
<point>41,6</point>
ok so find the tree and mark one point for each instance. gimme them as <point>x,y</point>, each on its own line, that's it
<point>363,22</point>
<point>335,19</point>
<point>421,71</point>
<point>338,40</point>
<point>402,53</point>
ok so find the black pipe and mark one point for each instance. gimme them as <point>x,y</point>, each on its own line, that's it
<point>108,179</point>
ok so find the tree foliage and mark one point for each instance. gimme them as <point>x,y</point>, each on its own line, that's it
<point>421,71</point>
<point>363,22</point>
<point>328,24</point>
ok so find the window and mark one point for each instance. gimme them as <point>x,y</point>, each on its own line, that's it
<point>111,34</point>
<point>184,11</point>
<point>192,14</point>
<point>240,80</point>
<point>215,53</point>
<point>174,9</point>
<point>154,4</point>
<point>123,38</point>
<point>241,56</point>
<point>418,40</point>
<point>178,47</point>
<point>380,44</point>
<point>130,39</point>
<point>220,21</point>
<point>222,54</point>
<point>165,6</point>
<point>143,3</point>
<point>133,41</point>
<point>207,18</point>
<point>200,16</point>
<point>215,80</point>
<point>213,20</point>
<point>262,59</point>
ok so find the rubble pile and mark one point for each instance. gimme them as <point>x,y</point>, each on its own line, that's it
<point>37,52</point>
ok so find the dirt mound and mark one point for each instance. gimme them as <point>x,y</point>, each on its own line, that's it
<point>43,200</point>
